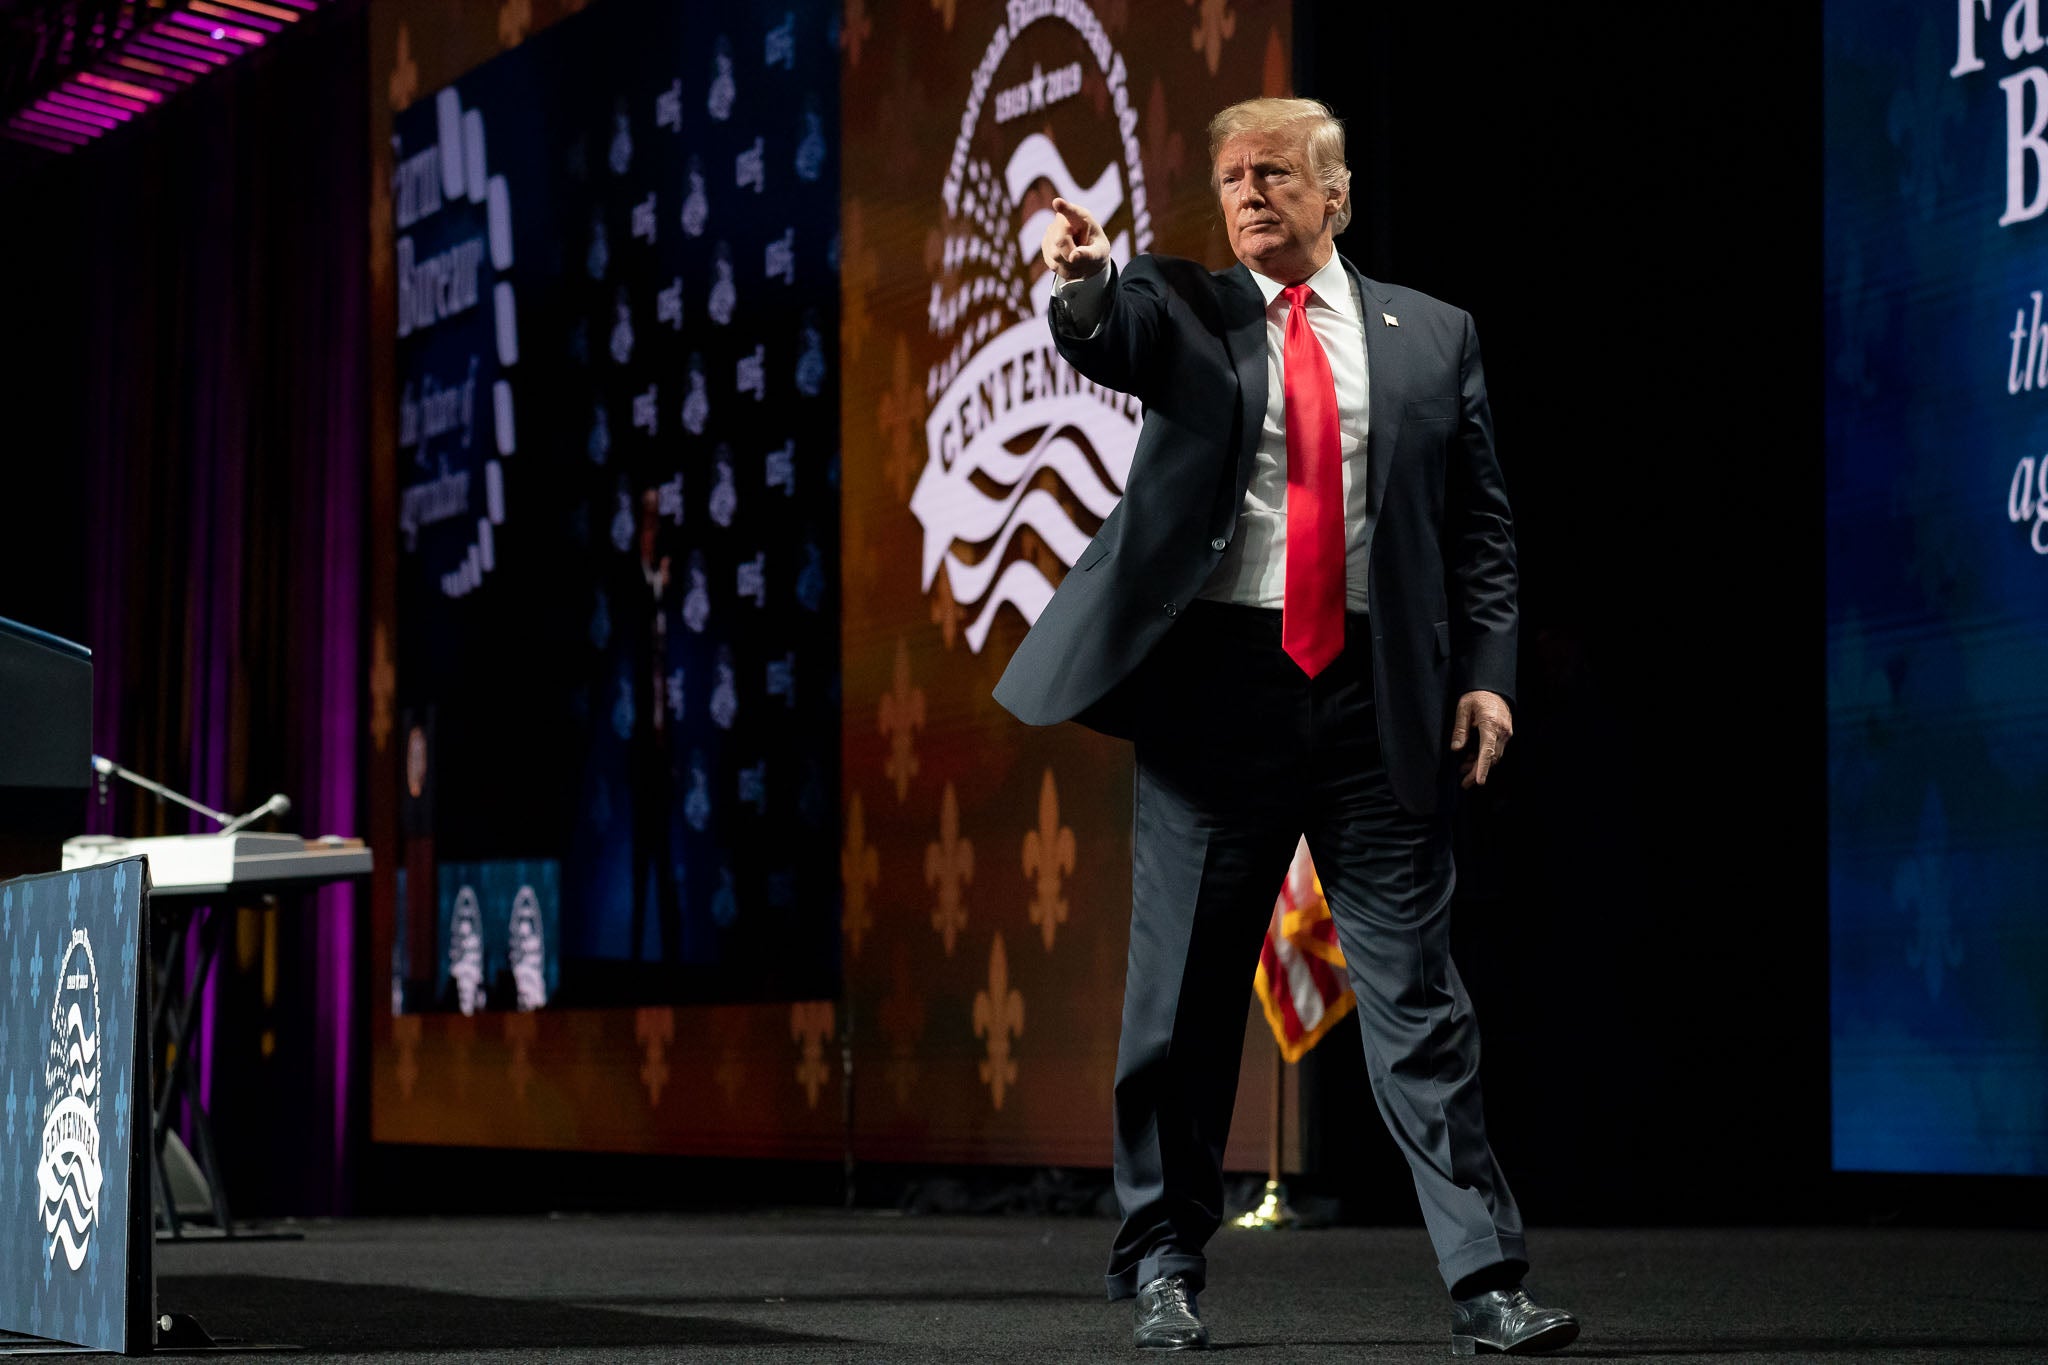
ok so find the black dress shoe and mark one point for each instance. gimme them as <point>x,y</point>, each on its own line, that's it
<point>1166,1317</point>
<point>1507,1321</point>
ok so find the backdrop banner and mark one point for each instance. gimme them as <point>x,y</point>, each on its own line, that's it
<point>1937,619</point>
<point>604,704</point>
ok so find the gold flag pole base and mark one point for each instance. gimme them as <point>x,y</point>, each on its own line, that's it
<point>1272,1214</point>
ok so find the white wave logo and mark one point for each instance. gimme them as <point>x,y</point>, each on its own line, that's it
<point>528,951</point>
<point>1006,411</point>
<point>69,1175</point>
<point>466,951</point>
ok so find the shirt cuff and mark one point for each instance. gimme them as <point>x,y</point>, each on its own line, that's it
<point>1085,300</point>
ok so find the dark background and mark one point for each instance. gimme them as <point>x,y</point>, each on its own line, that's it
<point>1631,211</point>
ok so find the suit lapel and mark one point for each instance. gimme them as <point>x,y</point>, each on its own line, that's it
<point>1244,317</point>
<point>1386,368</point>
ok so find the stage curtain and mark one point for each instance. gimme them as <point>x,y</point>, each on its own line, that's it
<point>187,498</point>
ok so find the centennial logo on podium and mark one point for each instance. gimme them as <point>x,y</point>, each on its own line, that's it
<point>69,1175</point>
<point>1015,438</point>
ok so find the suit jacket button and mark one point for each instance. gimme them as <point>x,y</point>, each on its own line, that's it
<point>1218,543</point>
<point>1172,610</point>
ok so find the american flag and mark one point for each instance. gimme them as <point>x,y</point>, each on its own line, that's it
<point>1301,982</point>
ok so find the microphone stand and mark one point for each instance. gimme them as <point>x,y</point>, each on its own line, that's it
<point>106,767</point>
<point>173,1016</point>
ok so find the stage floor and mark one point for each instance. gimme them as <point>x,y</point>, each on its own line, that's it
<point>868,1287</point>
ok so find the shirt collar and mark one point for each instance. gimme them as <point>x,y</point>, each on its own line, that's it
<point>1328,284</point>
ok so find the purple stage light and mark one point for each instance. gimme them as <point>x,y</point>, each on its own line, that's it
<point>101,73</point>
<point>160,40</point>
<point>57,123</point>
<point>27,122</point>
<point>118,87</point>
<point>146,67</point>
<point>151,50</point>
<point>256,7</point>
<point>245,19</point>
<point>104,100</point>
<point>233,40</point>
<point>67,98</point>
<point>49,104</point>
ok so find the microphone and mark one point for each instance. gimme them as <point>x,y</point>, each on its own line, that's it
<point>278,804</point>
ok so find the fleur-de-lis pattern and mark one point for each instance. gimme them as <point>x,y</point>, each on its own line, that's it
<point>859,269</point>
<point>1215,25</point>
<point>859,869</point>
<point>656,1030</point>
<point>998,1017</point>
<point>1048,857</point>
<point>515,19</point>
<point>811,1026</point>
<point>899,716</point>
<point>949,866</point>
<point>855,30</point>
<point>903,1019</point>
<point>946,611</point>
<point>404,85</point>
<point>898,412</point>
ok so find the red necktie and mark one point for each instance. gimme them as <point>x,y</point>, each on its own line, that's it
<point>1312,615</point>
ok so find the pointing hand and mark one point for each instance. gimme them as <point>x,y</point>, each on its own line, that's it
<point>1075,246</point>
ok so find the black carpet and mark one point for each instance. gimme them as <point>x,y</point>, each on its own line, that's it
<point>868,1287</point>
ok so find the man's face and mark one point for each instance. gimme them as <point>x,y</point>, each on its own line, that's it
<point>1277,214</point>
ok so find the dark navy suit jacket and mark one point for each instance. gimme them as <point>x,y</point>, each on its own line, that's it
<point>1190,344</point>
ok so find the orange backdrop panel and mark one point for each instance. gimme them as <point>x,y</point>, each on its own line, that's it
<point>987,864</point>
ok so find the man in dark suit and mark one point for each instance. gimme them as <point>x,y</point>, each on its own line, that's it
<point>1302,609</point>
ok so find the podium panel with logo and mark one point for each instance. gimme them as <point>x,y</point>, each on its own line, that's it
<point>75,1234</point>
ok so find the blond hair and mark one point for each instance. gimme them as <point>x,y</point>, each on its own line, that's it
<point>1322,136</point>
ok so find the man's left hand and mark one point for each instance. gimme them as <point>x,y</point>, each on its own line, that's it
<point>1481,733</point>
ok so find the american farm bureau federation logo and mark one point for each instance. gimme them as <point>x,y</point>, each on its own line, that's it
<point>466,950</point>
<point>1015,439</point>
<point>69,1175</point>
<point>528,952</point>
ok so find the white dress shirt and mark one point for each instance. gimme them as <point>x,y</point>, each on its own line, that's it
<point>1253,570</point>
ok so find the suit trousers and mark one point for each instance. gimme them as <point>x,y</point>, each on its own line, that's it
<point>1239,755</point>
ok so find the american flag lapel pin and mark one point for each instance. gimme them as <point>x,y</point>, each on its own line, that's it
<point>1392,321</point>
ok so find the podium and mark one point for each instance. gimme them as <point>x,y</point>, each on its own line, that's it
<point>75,1240</point>
<point>45,746</point>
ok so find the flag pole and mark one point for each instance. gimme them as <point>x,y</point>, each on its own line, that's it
<point>1273,1214</point>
